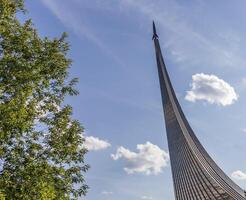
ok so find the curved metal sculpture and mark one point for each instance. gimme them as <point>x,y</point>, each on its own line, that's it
<point>195,175</point>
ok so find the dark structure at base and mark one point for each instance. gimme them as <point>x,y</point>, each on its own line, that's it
<point>195,175</point>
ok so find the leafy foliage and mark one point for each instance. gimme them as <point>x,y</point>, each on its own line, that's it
<point>41,153</point>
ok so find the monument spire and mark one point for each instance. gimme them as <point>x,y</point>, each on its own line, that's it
<point>195,175</point>
<point>155,36</point>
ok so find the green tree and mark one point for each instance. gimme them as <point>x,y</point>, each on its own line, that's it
<point>41,152</point>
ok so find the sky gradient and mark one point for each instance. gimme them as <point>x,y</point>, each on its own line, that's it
<point>119,105</point>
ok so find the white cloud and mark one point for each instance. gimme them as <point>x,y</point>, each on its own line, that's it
<point>238,175</point>
<point>211,89</point>
<point>107,193</point>
<point>149,159</point>
<point>146,198</point>
<point>95,144</point>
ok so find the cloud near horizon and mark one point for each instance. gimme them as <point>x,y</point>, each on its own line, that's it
<point>238,175</point>
<point>212,89</point>
<point>107,193</point>
<point>95,144</point>
<point>146,197</point>
<point>149,159</point>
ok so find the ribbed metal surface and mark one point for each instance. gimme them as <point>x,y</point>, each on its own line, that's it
<point>195,175</point>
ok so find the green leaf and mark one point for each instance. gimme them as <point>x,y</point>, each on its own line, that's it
<point>41,152</point>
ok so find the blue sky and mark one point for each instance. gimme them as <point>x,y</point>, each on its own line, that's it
<point>204,46</point>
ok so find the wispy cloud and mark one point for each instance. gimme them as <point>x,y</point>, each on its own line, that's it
<point>243,130</point>
<point>146,198</point>
<point>184,42</point>
<point>243,82</point>
<point>71,18</point>
<point>107,193</point>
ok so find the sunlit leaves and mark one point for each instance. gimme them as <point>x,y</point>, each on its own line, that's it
<point>40,144</point>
